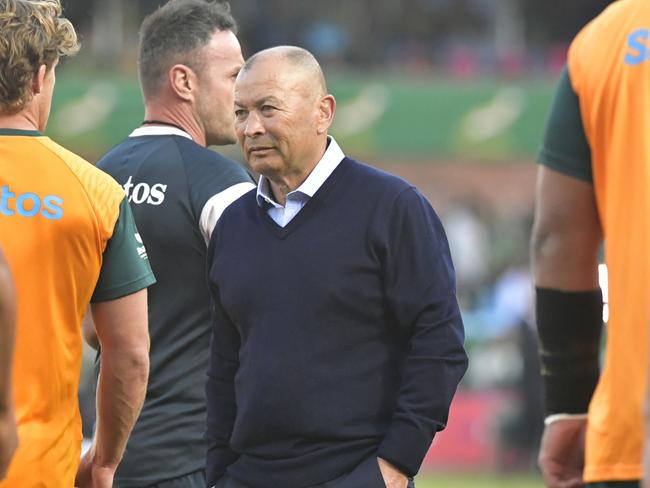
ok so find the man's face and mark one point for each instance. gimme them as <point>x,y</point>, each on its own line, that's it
<point>222,59</point>
<point>275,119</point>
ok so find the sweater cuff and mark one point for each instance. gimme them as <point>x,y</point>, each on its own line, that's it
<point>218,460</point>
<point>405,446</point>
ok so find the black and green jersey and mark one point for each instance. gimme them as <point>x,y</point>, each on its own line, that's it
<point>177,190</point>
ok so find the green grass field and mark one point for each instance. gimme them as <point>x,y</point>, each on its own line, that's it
<point>478,480</point>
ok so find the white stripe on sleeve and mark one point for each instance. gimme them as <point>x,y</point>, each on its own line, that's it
<point>215,206</point>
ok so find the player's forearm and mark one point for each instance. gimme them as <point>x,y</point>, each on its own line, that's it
<point>564,262</point>
<point>566,233</point>
<point>121,390</point>
<point>7,334</point>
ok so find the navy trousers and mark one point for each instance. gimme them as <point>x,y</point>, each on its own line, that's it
<point>365,475</point>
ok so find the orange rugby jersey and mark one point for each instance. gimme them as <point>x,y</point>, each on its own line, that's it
<point>69,238</point>
<point>604,99</point>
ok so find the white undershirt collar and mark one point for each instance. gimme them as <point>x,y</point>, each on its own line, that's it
<point>159,130</point>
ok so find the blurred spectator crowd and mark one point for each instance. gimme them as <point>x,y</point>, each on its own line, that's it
<point>460,38</point>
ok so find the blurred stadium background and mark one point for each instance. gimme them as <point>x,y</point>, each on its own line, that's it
<point>450,94</point>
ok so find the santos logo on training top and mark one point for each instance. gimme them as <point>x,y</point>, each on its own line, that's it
<point>30,204</point>
<point>143,193</point>
<point>637,42</point>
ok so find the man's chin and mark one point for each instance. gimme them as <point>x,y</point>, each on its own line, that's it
<point>261,164</point>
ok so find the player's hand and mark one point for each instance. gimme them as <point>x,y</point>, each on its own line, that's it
<point>393,477</point>
<point>8,440</point>
<point>561,455</point>
<point>91,475</point>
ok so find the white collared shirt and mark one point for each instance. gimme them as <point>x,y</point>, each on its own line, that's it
<point>299,197</point>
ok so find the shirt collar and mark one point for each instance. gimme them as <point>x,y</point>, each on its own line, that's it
<point>323,169</point>
<point>158,130</point>
<point>19,132</point>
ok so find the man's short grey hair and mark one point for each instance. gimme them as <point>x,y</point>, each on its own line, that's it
<point>174,33</point>
<point>296,56</point>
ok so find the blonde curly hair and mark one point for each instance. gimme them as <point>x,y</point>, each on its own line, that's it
<point>33,33</point>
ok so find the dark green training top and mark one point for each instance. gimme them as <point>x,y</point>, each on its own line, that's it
<point>176,189</point>
<point>565,147</point>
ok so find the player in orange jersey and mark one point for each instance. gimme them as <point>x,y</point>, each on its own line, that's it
<point>8,434</point>
<point>70,240</point>
<point>594,186</point>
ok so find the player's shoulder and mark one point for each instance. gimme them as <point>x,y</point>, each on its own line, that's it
<point>196,153</point>
<point>139,147</point>
<point>612,16</point>
<point>205,165</point>
<point>89,176</point>
<point>605,40</point>
<point>607,26</point>
<point>115,153</point>
<point>103,192</point>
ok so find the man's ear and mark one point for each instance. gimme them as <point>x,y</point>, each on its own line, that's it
<point>326,109</point>
<point>39,79</point>
<point>183,81</point>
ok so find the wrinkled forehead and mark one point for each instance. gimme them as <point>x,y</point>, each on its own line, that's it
<point>264,80</point>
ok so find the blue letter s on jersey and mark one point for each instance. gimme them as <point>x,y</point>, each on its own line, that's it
<point>30,204</point>
<point>53,207</point>
<point>636,41</point>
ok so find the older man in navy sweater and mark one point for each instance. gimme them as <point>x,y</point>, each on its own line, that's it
<point>338,342</point>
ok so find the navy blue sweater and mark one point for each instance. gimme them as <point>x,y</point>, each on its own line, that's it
<point>336,338</point>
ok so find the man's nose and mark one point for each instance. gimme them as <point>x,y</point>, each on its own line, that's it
<point>254,125</point>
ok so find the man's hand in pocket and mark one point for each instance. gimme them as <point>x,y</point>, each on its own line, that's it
<point>393,477</point>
